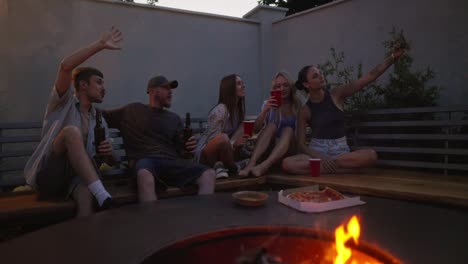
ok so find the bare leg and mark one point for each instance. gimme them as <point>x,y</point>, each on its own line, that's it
<point>145,184</point>
<point>297,164</point>
<point>69,142</point>
<point>84,200</point>
<point>218,149</point>
<point>278,152</point>
<point>206,182</point>
<point>263,141</point>
<point>357,159</point>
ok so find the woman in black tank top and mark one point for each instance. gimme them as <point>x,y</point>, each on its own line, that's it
<point>323,113</point>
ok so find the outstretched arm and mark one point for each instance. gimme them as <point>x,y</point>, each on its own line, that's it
<point>108,40</point>
<point>340,93</point>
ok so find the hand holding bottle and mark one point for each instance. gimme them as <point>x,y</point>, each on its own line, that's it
<point>191,144</point>
<point>104,149</point>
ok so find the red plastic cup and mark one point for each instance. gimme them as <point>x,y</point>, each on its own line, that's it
<point>278,95</point>
<point>314,167</point>
<point>248,127</point>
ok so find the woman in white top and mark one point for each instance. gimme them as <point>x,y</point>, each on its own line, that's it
<point>224,136</point>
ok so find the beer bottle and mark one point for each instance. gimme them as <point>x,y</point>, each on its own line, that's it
<point>187,133</point>
<point>99,133</point>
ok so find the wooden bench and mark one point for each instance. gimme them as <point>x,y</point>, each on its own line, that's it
<point>432,138</point>
<point>415,186</point>
<point>423,156</point>
<point>17,143</point>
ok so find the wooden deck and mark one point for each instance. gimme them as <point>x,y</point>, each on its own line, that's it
<point>448,190</point>
<point>451,190</point>
<point>15,206</point>
<point>18,211</point>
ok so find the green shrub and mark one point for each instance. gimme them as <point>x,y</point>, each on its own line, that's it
<point>405,87</point>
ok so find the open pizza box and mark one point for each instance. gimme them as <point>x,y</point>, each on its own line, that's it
<point>316,207</point>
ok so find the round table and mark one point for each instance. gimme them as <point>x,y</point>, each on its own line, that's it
<point>414,233</point>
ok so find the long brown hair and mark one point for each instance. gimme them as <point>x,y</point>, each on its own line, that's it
<point>228,97</point>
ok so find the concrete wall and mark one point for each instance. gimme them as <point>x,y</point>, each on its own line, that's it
<point>3,53</point>
<point>266,15</point>
<point>196,49</point>
<point>436,29</point>
<point>199,49</point>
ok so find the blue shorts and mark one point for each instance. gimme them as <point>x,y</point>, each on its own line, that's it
<point>330,147</point>
<point>171,172</point>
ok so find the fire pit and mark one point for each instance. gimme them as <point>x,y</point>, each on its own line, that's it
<point>200,230</point>
<point>282,243</point>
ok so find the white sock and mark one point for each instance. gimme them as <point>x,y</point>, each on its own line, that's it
<point>98,190</point>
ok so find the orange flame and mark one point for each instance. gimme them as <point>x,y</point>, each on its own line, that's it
<point>341,237</point>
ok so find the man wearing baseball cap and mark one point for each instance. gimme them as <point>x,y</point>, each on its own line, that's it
<point>153,142</point>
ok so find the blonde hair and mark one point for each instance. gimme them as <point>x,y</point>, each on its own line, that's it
<point>296,103</point>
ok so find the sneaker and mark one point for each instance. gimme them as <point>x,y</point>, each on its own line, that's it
<point>242,164</point>
<point>108,203</point>
<point>221,172</point>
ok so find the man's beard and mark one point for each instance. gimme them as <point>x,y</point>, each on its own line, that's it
<point>164,103</point>
<point>97,100</point>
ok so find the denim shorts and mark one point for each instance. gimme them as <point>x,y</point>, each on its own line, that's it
<point>330,147</point>
<point>171,172</point>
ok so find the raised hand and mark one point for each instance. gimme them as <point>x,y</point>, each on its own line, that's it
<point>399,50</point>
<point>110,39</point>
<point>270,103</point>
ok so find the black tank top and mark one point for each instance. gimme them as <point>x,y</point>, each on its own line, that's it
<point>326,120</point>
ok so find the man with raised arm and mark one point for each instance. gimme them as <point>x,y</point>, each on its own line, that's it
<point>63,163</point>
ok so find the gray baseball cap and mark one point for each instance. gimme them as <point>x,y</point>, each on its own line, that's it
<point>161,81</point>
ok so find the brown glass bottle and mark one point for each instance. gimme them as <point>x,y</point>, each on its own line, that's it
<point>187,133</point>
<point>99,133</point>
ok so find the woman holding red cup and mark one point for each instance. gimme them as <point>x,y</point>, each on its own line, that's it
<point>277,122</point>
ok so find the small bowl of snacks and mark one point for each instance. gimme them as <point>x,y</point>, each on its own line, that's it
<point>250,198</point>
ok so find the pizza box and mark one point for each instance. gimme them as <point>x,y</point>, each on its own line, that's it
<point>316,207</point>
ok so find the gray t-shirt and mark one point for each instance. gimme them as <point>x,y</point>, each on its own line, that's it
<point>146,131</point>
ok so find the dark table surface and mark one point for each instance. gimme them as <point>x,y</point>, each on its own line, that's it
<point>415,233</point>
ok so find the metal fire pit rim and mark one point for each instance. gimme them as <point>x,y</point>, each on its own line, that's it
<point>253,230</point>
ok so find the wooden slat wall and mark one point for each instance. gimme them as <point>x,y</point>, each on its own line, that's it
<point>441,138</point>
